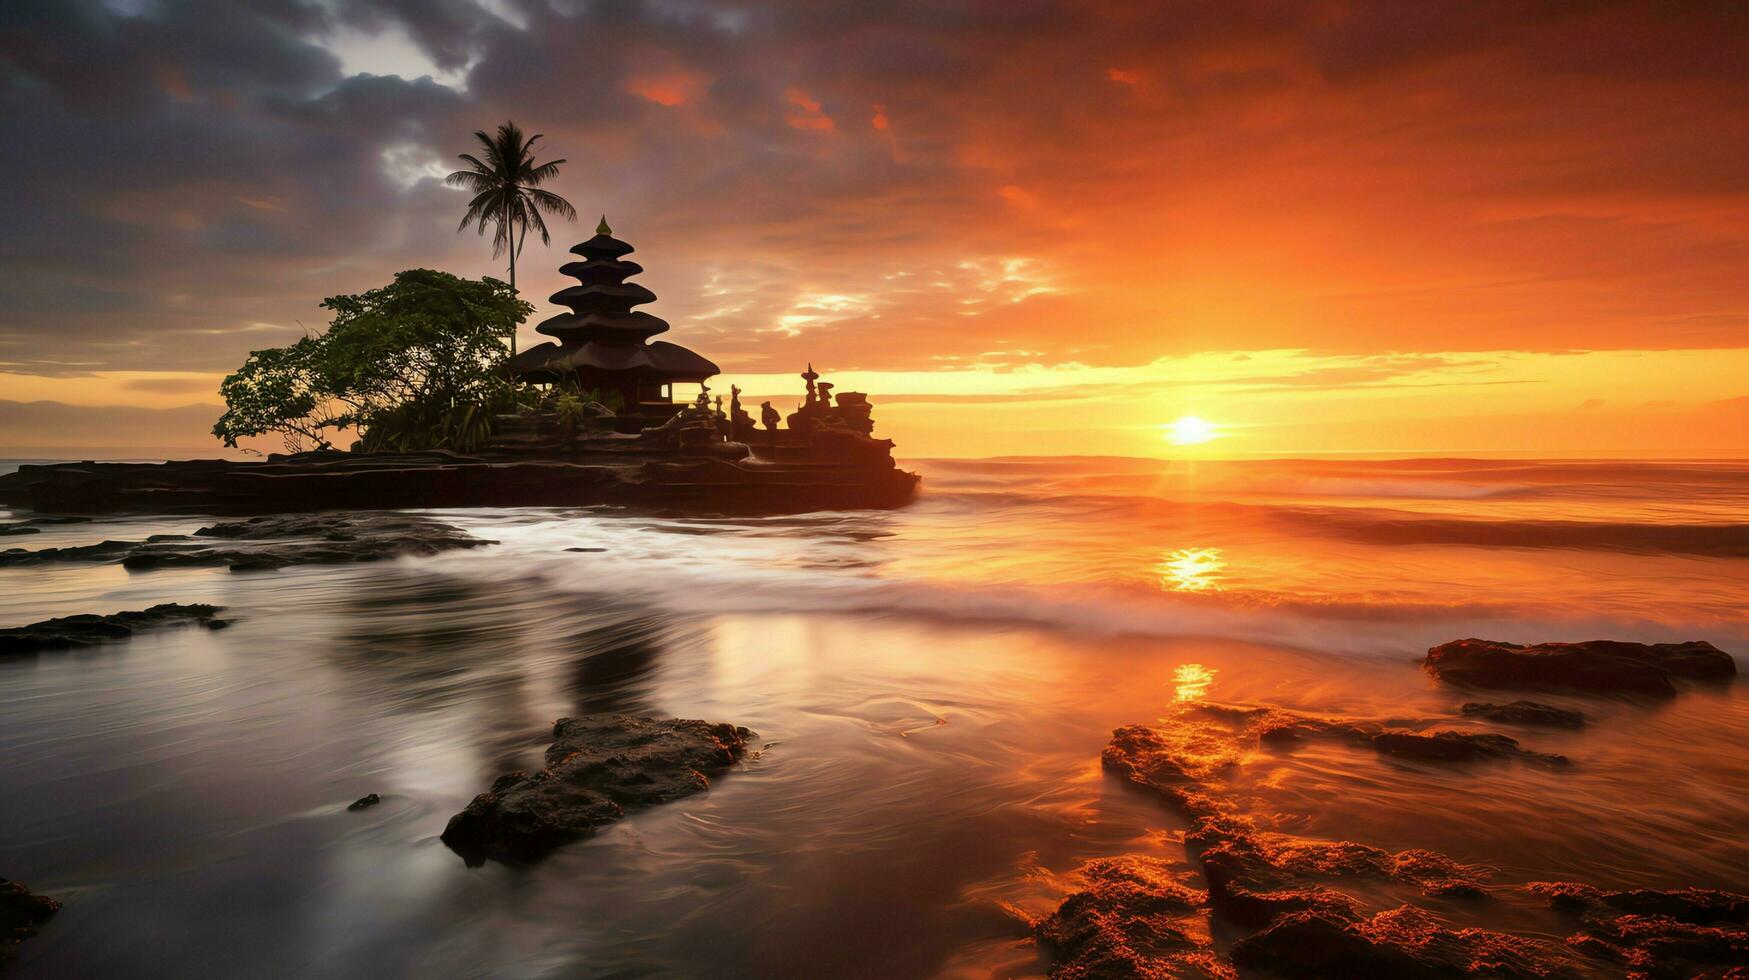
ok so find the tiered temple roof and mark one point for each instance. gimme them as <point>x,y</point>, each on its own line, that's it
<point>602,341</point>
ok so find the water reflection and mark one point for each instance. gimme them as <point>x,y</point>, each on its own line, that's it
<point>1192,570</point>
<point>1192,681</point>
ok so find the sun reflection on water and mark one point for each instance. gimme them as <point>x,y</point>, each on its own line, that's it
<point>1192,570</point>
<point>1193,681</point>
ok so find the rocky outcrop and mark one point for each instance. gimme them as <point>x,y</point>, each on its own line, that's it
<point>35,524</point>
<point>1400,942</point>
<point>1305,907</point>
<point>1688,932</point>
<point>1593,667</point>
<point>1532,713</point>
<point>1450,746</point>
<point>364,802</point>
<point>22,915</point>
<point>598,769</point>
<point>1135,918</point>
<point>67,632</point>
<point>268,542</point>
<point>621,472</point>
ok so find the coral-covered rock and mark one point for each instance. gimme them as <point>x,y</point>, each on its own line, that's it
<point>1135,918</point>
<point>89,630</point>
<point>1593,667</point>
<point>598,768</point>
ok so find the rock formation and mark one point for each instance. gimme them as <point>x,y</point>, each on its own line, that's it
<point>1593,667</point>
<point>268,542</point>
<point>22,915</point>
<point>598,768</point>
<point>86,630</point>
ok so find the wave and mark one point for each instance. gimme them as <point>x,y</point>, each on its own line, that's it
<point>1361,626</point>
<point>1716,540</point>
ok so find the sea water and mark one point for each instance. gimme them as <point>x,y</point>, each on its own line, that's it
<point>931,688</point>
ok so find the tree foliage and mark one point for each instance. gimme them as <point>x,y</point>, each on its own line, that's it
<point>506,193</point>
<point>411,365</point>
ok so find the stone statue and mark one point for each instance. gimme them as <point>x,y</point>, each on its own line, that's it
<point>769,416</point>
<point>825,390</point>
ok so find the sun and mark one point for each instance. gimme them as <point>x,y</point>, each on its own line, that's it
<point>1191,431</point>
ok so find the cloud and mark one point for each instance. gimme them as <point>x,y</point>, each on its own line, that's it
<point>1159,179</point>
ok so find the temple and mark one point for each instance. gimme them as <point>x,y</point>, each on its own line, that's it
<point>604,354</point>
<point>604,345</point>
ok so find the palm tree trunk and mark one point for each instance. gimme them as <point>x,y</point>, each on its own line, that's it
<point>510,242</point>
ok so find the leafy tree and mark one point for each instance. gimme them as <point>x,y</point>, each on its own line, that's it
<point>411,365</point>
<point>507,194</point>
<point>281,390</point>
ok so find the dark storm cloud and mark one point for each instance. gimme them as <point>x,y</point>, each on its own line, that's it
<point>191,177</point>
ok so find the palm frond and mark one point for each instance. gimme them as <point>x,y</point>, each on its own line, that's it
<point>552,204</point>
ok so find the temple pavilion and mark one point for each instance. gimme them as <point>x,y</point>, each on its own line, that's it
<point>602,343</point>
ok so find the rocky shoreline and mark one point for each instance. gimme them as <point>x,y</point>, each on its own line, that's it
<point>633,477</point>
<point>1302,907</point>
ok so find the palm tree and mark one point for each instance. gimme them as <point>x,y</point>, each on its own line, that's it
<point>507,194</point>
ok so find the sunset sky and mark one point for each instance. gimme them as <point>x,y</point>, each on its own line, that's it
<point>1024,227</point>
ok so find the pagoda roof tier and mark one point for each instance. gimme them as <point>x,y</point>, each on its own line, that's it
<point>656,362</point>
<point>624,327</point>
<point>602,297</point>
<point>602,246</point>
<point>601,270</point>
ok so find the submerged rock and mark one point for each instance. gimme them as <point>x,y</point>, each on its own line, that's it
<point>1302,907</point>
<point>1449,746</point>
<point>1134,919</point>
<point>1525,713</point>
<point>365,802</point>
<point>68,632</point>
<point>597,769</point>
<point>269,542</point>
<point>1401,942</point>
<point>35,525</point>
<point>1681,933</point>
<point>1592,667</point>
<point>22,915</point>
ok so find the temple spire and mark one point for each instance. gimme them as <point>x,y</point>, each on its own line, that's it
<point>602,229</point>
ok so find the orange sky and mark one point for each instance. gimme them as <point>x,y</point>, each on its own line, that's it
<point>1023,228</point>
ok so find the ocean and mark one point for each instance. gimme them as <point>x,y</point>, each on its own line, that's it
<point>931,688</point>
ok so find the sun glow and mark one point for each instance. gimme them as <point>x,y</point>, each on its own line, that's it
<point>1190,430</point>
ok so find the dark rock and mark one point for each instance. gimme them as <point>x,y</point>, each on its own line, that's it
<point>1302,907</point>
<point>264,543</point>
<point>1593,667</point>
<point>1525,713</point>
<point>1135,918</point>
<point>586,550</point>
<point>22,915</point>
<point>365,802</point>
<point>616,471</point>
<point>1687,932</point>
<point>1401,942</point>
<point>36,524</point>
<point>598,768</point>
<point>88,630</point>
<point>1451,746</point>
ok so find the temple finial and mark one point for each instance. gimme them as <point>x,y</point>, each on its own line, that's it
<point>602,229</point>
